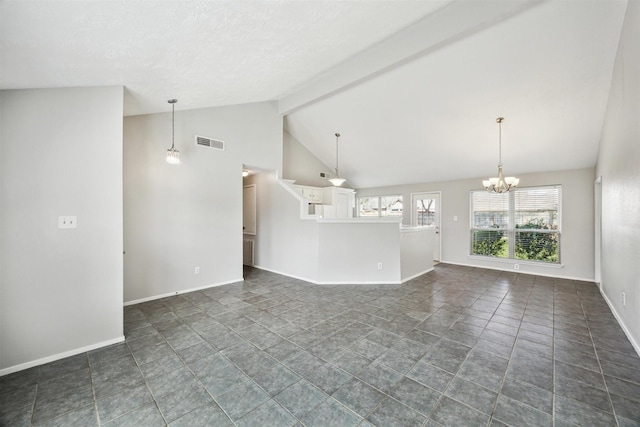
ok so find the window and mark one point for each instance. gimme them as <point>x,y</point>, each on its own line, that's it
<point>379,206</point>
<point>521,225</point>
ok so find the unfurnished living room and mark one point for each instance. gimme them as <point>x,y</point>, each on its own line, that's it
<point>320,213</point>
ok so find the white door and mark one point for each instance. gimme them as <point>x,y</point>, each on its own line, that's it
<point>249,209</point>
<point>426,211</point>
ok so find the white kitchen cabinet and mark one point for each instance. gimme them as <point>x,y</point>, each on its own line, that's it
<point>311,194</point>
<point>338,202</point>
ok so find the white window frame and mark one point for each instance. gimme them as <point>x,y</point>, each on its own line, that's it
<point>379,197</point>
<point>511,229</point>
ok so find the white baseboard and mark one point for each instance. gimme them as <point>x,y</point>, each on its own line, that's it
<point>511,270</point>
<point>53,358</point>
<point>620,322</point>
<point>347,282</point>
<point>182,291</point>
<point>417,275</point>
<point>383,282</point>
<point>306,279</point>
<point>312,281</point>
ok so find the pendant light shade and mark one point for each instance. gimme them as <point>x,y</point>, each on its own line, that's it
<point>173,155</point>
<point>500,184</point>
<point>337,181</point>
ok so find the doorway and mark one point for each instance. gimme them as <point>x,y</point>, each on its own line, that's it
<point>248,224</point>
<point>425,211</point>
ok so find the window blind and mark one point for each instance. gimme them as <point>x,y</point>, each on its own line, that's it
<point>523,224</point>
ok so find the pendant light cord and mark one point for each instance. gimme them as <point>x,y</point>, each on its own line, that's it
<point>499,120</point>
<point>173,126</point>
<point>337,139</point>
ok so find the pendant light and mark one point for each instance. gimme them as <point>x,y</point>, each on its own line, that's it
<point>173,155</point>
<point>337,181</point>
<point>500,184</point>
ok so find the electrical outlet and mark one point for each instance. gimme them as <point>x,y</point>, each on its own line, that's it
<point>516,266</point>
<point>67,222</point>
<point>197,270</point>
<point>379,266</point>
<point>624,299</point>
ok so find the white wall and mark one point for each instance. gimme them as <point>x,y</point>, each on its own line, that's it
<point>60,290</point>
<point>577,220</point>
<point>416,251</point>
<point>323,251</point>
<point>284,243</point>
<point>178,217</point>
<point>301,165</point>
<point>618,164</point>
<point>349,252</point>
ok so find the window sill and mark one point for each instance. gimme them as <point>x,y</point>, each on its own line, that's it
<point>516,261</point>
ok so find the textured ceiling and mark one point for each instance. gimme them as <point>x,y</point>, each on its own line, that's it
<point>204,53</point>
<point>414,87</point>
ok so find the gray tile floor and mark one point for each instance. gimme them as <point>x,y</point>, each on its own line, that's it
<point>456,347</point>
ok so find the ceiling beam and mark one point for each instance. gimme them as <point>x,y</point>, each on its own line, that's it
<point>452,22</point>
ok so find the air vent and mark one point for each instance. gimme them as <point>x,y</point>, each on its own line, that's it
<point>203,141</point>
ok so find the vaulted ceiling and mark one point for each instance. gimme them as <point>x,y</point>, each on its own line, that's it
<point>414,87</point>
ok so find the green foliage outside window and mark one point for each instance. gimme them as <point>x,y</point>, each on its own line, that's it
<point>534,245</point>
<point>490,242</point>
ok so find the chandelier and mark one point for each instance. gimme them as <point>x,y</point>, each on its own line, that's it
<point>500,184</point>
<point>173,155</point>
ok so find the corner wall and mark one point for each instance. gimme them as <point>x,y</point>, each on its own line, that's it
<point>577,220</point>
<point>284,243</point>
<point>60,290</point>
<point>618,162</point>
<point>178,217</point>
<point>301,165</point>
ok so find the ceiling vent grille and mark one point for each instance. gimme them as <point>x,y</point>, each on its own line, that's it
<point>203,141</point>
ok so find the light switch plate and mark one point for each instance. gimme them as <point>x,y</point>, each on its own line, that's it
<point>65,222</point>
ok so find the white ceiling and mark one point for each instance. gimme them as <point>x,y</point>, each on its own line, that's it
<point>414,87</point>
<point>202,52</point>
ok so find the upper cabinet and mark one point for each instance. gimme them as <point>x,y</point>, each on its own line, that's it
<point>339,202</point>
<point>336,202</point>
<point>311,194</point>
